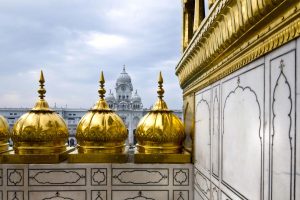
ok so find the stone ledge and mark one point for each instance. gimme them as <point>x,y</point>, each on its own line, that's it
<point>104,181</point>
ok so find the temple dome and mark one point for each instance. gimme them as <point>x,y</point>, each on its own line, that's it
<point>110,97</point>
<point>41,130</point>
<point>124,79</point>
<point>160,131</point>
<point>4,134</point>
<point>101,129</point>
<point>136,97</point>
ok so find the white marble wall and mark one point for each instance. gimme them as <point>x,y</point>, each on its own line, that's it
<point>245,131</point>
<point>96,182</point>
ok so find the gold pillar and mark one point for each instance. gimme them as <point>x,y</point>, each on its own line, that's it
<point>198,14</point>
<point>188,20</point>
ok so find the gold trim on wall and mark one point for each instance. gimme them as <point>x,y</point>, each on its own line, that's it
<point>235,33</point>
<point>189,121</point>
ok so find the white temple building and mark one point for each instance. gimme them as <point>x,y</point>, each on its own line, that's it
<point>128,105</point>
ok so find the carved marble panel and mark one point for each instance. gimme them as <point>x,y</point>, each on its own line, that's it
<point>139,176</point>
<point>198,196</point>
<point>282,129</point>
<point>98,176</point>
<point>140,195</point>
<point>92,181</point>
<point>57,195</point>
<point>49,177</point>
<point>15,177</point>
<point>225,197</point>
<point>99,195</point>
<point>297,98</point>
<point>242,136</point>
<point>215,138</point>
<point>203,131</point>
<point>1,177</point>
<point>15,195</point>
<point>257,122</point>
<point>180,177</point>
<point>214,192</point>
<point>297,183</point>
<point>180,195</point>
<point>202,184</point>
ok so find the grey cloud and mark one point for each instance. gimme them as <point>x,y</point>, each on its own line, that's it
<point>57,36</point>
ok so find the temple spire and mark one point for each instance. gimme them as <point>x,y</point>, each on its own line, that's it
<point>101,90</point>
<point>160,90</point>
<point>42,90</point>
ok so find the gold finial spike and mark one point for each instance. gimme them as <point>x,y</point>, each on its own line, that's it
<point>102,80</point>
<point>42,90</point>
<point>101,90</point>
<point>160,90</point>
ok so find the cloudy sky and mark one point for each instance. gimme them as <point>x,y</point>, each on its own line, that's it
<point>72,40</point>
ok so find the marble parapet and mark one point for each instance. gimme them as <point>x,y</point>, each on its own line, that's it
<point>103,181</point>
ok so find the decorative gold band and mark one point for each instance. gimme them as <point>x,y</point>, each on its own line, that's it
<point>100,147</point>
<point>150,149</point>
<point>234,34</point>
<point>36,148</point>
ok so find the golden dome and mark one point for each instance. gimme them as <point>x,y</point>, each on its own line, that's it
<point>160,131</point>
<point>4,134</point>
<point>100,129</point>
<point>41,130</point>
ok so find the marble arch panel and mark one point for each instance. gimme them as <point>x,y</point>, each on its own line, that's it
<point>282,125</point>
<point>203,131</point>
<point>242,132</point>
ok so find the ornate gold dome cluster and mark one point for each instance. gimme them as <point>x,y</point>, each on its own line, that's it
<point>101,134</point>
<point>101,130</point>
<point>160,131</point>
<point>4,134</point>
<point>41,130</point>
